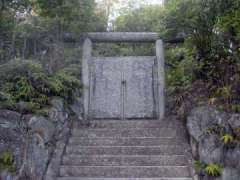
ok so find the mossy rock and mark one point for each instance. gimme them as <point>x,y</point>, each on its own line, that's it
<point>7,162</point>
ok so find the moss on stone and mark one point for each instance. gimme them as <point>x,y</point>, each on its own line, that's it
<point>7,162</point>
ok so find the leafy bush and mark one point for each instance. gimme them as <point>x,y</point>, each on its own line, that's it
<point>217,129</point>
<point>180,67</point>
<point>64,84</point>
<point>199,166</point>
<point>227,138</point>
<point>26,87</point>
<point>213,170</point>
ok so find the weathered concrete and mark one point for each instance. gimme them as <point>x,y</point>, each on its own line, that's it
<point>122,88</point>
<point>127,150</point>
<point>139,92</point>
<point>161,78</point>
<point>106,89</point>
<point>104,152</point>
<point>86,64</point>
<point>83,178</point>
<point>170,123</point>
<point>124,37</point>
<point>151,132</point>
<point>127,141</point>
<point>96,160</point>
<point>125,171</point>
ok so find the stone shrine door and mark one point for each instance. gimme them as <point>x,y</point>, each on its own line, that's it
<point>122,87</point>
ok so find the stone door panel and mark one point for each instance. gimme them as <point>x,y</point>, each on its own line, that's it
<point>139,100</point>
<point>105,92</point>
<point>122,88</point>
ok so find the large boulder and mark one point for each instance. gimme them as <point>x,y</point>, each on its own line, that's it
<point>42,128</point>
<point>234,123</point>
<point>54,166</point>
<point>206,125</point>
<point>205,146</point>
<point>7,176</point>
<point>12,135</point>
<point>40,145</point>
<point>35,141</point>
<point>210,149</point>
<point>230,174</point>
<point>60,117</point>
<point>203,118</point>
<point>57,112</point>
<point>232,158</point>
<point>77,108</point>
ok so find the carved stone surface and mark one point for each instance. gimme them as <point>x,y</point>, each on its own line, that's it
<point>86,63</point>
<point>161,79</point>
<point>139,91</point>
<point>122,88</point>
<point>106,89</point>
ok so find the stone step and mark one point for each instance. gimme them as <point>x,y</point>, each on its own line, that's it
<point>93,160</point>
<point>127,141</point>
<point>110,124</point>
<point>144,132</point>
<point>124,171</point>
<point>127,150</point>
<point>82,178</point>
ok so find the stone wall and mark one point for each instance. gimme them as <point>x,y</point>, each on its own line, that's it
<point>36,142</point>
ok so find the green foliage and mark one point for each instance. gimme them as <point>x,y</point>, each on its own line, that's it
<point>26,25</point>
<point>227,139</point>
<point>179,18</point>
<point>7,162</point>
<point>213,170</point>
<point>216,129</point>
<point>124,49</point>
<point>235,108</point>
<point>147,18</point>
<point>211,49</point>
<point>181,67</point>
<point>27,88</point>
<point>230,22</point>
<point>18,85</point>
<point>225,91</point>
<point>71,15</point>
<point>43,112</point>
<point>210,52</point>
<point>199,166</point>
<point>64,84</point>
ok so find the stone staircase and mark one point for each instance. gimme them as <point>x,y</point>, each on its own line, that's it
<point>127,150</point>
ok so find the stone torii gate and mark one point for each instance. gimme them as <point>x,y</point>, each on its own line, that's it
<point>123,87</point>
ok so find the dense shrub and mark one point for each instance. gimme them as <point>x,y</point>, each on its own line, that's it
<point>26,87</point>
<point>180,67</point>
